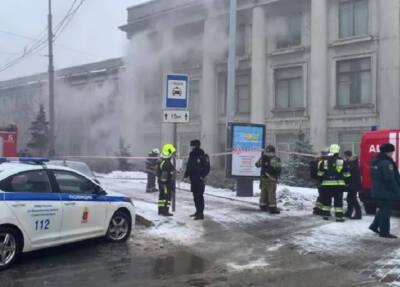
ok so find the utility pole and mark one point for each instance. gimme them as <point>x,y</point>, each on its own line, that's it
<point>244,185</point>
<point>51,83</point>
<point>230,99</point>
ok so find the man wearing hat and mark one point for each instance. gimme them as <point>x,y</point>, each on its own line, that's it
<point>270,166</point>
<point>197,169</point>
<point>385,188</point>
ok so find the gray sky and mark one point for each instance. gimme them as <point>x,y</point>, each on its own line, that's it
<point>93,34</point>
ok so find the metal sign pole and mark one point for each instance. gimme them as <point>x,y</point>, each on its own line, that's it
<point>174,188</point>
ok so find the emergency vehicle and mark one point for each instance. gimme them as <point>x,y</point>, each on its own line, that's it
<point>8,141</point>
<point>43,205</point>
<point>369,147</point>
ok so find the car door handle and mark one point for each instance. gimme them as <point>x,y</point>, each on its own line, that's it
<point>69,203</point>
<point>19,205</point>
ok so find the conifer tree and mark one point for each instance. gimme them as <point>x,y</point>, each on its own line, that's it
<point>40,134</point>
<point>298,167</point>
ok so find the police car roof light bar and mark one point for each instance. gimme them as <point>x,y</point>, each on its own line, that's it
<point>3,159</point>
<point>34,160</point>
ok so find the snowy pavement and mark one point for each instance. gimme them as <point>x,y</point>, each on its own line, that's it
<point>236,237</point>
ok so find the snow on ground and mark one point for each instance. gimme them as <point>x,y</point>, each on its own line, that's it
<point>258,263</point>
<point>337,238</point>
<point>183,231</point>
<point>294,201</point>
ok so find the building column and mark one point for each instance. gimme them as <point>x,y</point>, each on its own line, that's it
<point>258,66</point>
<point>318,107</point>
<point>209,99</point>
<point>389,65</point>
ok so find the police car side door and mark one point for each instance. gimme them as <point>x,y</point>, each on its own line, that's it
<point>37,208</point>
<point>84,211</point>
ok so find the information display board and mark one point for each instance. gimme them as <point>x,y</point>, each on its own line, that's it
<point>246,141</point>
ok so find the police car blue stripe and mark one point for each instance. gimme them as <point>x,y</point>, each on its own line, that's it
<point>28,196</point>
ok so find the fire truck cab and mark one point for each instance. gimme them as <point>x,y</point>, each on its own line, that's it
<point>8,141</point>
<point>369,147</point>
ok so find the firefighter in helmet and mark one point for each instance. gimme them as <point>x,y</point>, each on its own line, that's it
<point>166,179</point>
<point>270,166</point>
<point>334,175</point>
<point>314,175</point>
<point>151,169</point>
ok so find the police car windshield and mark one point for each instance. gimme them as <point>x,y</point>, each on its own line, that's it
<point>78,166</point>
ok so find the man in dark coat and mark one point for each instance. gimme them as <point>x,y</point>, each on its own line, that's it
<point>353,187</point>
<point>197,169</point>
<point>385,188</point>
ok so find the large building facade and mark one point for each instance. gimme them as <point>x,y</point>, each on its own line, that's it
<point>328,67</point>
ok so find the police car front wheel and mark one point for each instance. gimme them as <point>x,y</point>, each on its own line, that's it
<point>9,247</point>
<point>120,227</point>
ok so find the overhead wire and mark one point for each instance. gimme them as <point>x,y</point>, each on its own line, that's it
<point>40,43</point>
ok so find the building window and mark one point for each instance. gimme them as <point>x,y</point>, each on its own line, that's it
<point>290,32</point>
<point>289,92</point>
<point>354,82</point>
<point>353,18</point>
<point>194,98</point>
<point>243,93</point>
<point>350,141</point>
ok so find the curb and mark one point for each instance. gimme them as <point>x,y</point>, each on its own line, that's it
<point>141,220</point>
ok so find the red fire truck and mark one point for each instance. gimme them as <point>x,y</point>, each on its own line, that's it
<point>370,143</point>
<point>8,141</point>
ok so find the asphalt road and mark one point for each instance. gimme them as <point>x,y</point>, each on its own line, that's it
<point>230,250</point>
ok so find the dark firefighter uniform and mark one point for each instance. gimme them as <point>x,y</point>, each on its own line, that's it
<point>314,175</point>
<point>385,189</point>
<point>354,186</point>
<point>270,166</point>
<point>151,169</point>
<point>166,179</point>
<point>333,174</point>
<point>197,169</point>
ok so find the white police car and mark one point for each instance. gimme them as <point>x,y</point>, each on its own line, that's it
<point>46,205</point>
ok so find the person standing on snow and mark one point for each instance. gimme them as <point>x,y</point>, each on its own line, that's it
<point>271,167</point>
<point>166,179</point>
<point>317,210</point>
<point>354,186</point>
<point>385,188</point>
<point>333,174</point>
<point>197,169</point>
<point>151,169</point>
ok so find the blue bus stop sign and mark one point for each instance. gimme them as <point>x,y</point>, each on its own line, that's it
<point>177,91</point>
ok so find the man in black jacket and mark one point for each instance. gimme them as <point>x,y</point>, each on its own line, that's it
<point>385,188</point>
<point>197,169</point>
<point>354,186</point>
